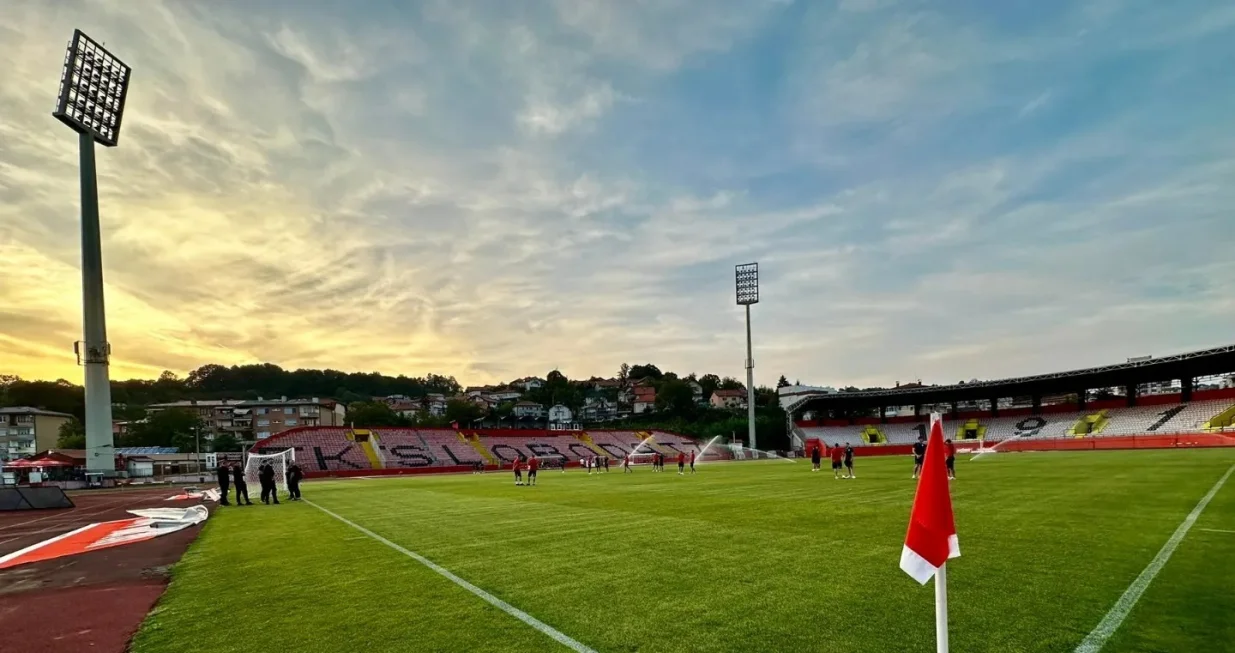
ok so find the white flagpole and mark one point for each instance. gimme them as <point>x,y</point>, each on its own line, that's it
<point>941,609</point>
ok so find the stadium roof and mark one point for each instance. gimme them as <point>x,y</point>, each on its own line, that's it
<point>145,451</point>
<point>1218,360</point>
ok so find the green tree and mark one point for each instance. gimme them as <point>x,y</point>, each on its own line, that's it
<point>463,411</point>
<point>675,398</point>
<point>782,382</point>
<point>730,383</point>
<point>225,442</point>
<point>374,413</point>
<point>644,371</point>
<point>175,427</point>
<point>72,435</point>
<point>503,410</point>
<point>709,383</point>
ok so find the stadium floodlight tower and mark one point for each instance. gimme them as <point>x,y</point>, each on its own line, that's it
<point>93,86</point>
<point>746,277</point>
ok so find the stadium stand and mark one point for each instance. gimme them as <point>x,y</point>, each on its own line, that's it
<point>1158,418</point>
<point>334,450</point>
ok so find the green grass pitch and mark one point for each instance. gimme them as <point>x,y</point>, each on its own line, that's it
<point>754,556</point>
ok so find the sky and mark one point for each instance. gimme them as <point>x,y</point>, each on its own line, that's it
<point>937,190</point>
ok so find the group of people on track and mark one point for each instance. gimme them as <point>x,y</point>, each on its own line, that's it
<point>265,477</point>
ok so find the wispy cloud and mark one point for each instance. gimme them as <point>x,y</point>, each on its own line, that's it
<point>935,191</point>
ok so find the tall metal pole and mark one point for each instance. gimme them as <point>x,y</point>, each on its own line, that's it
<point>750,384</point>
<point>100,450</point>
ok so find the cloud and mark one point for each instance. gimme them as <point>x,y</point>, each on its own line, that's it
<point>934,191</point>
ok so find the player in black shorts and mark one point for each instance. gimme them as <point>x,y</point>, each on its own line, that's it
<point>849,461</point>
<point>814,457</point>
<point>950,449</point>
<point>919,453</point>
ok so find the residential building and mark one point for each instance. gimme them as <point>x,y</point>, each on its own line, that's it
<point>405,407</point>
<point>529,383</point>
<point>486,402</point>
<point>504,394</point>
<point>604,384</point>
<point>431,404</point>
<point>218,415</point>
<point>25,430</point>
<point>273,416</point>
<point>644,400</point>
<point>528,409</point>
<point>560,414</point>
<point>735,399</point>
<point>434,403</point>
<point>598,409</point>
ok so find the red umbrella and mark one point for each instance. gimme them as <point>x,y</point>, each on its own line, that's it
<point>41,462</point>
<point>50,462</point>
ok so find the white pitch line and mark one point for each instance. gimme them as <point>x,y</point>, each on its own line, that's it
<point>1215,530</point>
<point>509,609</point>
<point>1113,619</point>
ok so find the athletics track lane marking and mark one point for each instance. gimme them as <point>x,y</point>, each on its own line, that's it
<point>1113,619</point>
<point>492,600</point>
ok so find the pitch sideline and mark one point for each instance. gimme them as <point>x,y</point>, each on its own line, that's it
<point>509,609</point>
<point>1113,619</point>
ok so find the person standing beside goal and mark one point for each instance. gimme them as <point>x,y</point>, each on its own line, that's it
<point>242,487</point>
<point>270,491</point>
<point>294,476</point>
<point>223,481</point>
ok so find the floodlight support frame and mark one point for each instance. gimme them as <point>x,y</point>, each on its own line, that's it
<point>100,448</point>
<point>746,286</point>
<point>750,385</point>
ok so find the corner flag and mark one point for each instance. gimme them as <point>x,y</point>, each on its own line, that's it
<point>931,539</point>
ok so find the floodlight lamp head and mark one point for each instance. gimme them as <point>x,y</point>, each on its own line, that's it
<point>747,278</point>
<point>93,87</point>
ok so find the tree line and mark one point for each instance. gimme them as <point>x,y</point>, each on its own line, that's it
<point>676,408</point>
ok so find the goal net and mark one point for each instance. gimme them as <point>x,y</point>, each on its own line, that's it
<point>280,461</point>
<point>644,458</point>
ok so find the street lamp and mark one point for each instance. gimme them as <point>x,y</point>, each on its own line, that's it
<point>746,277</point>
<point>93,86</point>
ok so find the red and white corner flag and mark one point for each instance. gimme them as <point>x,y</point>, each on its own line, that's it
<point>931,539</point>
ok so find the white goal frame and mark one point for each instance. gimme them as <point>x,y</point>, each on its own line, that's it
<point>645,458</point>
<point>281,461</point>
